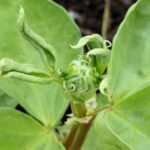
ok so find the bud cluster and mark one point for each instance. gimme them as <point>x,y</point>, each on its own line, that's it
<point>82,80</point>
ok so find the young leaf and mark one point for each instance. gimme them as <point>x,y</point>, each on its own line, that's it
<point>100,58</point>
<point>91,41</point>
<point>97,50</point>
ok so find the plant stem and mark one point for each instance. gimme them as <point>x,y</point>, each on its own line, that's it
<point>71,136</point>
<point>106,19</point>
<point>79,130</point>
<point>80,136</point>
<point>78,109</point>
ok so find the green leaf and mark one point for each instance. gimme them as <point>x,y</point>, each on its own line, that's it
<point>128,82</point>
<point>129,121</point>
<point>6,100</point>
<point>102,139</point>
<point>133,115</point>
<point>21,132</point>
<point>129,69</point>
<point>123,126</point>
<point>49,143</point>
<point>92,141</point>
<point>47,19</point>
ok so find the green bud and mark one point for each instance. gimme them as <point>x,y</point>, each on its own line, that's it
<point>82,80</point>
<point>97,50</point>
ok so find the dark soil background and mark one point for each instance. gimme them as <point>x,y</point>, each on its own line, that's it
<point>88,14</point>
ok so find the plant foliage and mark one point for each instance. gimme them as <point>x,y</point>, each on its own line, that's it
<point>44,69</point>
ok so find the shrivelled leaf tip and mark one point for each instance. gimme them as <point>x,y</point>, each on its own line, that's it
<point>47,52</point>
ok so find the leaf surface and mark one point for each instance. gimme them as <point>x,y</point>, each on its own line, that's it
<point>50,21</point>
<point>6,100</point>
<point>129,121</point>
<point>21,132</point>
<point>99,137</point>
<point>129,82</point>
<point>129,68</point>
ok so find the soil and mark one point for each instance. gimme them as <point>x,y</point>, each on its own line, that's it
<point>88,14</point>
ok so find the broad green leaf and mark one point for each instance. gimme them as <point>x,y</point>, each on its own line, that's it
<point>49,143</point>
<point>6,100</point>
<point>129,69</point>
<point>21,132</point>
<point>133,114</point>
<point>128,81</point>
<point>100,138</point>
<point>131,119</point>
<point>51,22</point>
<point>101,100</point>
<point>92,141</point>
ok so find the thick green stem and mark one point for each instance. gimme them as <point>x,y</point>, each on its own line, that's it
<point>78,109</point>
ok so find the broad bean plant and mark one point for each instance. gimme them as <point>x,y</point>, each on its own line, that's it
<point>44,69</point>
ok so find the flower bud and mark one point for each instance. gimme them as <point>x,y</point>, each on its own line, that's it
<point>82,80</point>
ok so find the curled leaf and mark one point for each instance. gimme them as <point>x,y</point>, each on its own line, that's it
<point>97,51</point>
<point>91,41</point>
<point>46,51</point>
<point>100,58</point>
<point>9,68</point>
<point>104,87</point>
<point>26,77</point>
<point>7,65</point>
